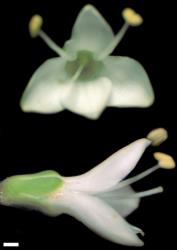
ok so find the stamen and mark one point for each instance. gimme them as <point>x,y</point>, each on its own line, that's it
<point>77,73</point>
<point>164,160</point>
<point>148,192</point>
<point>157,136</point>
<point>137,177</point>
<point>54,46</point>
<point>118,37</point>
<point>131,19</point>
<point>35,30</point>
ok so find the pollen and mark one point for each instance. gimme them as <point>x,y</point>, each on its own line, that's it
<point>131,17</point>
<point>164,160</point>
<point>35,25</point>
<point>157,136</point>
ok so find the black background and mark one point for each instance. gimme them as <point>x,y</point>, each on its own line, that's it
<point>72,144</point>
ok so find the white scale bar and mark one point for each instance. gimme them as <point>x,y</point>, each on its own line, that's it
<point>10,244</point>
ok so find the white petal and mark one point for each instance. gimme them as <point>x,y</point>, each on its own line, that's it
<point>99,217</point>
<point>46,87</point>
<point>90,32</point>
<point>88,98</point>
<point>131,85</point>
<point>137,230</point>
<point>117,199</point>
<point>106,175</point>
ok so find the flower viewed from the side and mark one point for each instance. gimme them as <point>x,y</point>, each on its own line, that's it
<point>100,198</point>
<point>85,78</point>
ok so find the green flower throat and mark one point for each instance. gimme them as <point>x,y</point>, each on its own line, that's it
<point>84,66</point>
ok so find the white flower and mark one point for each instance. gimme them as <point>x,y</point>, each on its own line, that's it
<point>85,78</point>
<point>98,198</point>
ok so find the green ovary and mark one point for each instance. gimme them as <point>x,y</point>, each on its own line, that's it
<point>30,189</point>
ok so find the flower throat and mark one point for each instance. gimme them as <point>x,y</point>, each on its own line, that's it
<point>84,66</point>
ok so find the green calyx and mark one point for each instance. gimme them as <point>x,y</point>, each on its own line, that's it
<point>30,189</point>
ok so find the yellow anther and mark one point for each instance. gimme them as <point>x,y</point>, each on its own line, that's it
<point>35,25</point>
<point>157,136</point>
<point>131,17</point>
<point>164,160</point>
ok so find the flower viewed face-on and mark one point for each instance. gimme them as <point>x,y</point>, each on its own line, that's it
<point>100,198</point>
<point>85,78</point>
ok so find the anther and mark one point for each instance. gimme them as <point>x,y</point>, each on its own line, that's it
<point>35,30</point>
<point>131,17</point>
<point>157,136</point>
<point>35,25</point>
<point>164,160</point>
